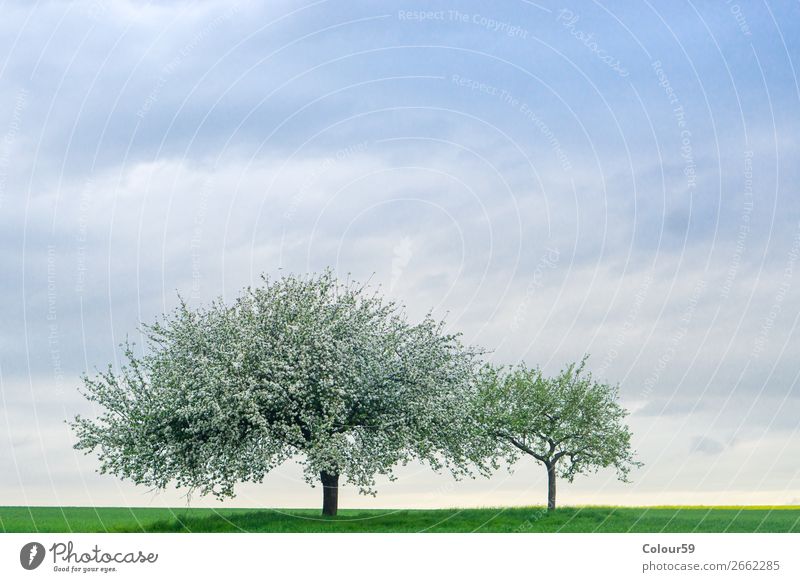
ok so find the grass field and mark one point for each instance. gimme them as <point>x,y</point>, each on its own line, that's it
<point>517,519</point>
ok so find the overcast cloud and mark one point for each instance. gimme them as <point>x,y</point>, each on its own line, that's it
<point>555,179</point>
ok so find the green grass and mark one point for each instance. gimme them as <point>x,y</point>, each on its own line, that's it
<point>517,519</point>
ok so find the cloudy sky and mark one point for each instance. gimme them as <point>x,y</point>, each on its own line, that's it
<point>554,178</point>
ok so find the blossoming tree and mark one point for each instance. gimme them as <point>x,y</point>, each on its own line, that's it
<point>570,423</point>
<point>313,368</point>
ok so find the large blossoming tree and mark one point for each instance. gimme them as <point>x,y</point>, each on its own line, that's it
<point>570,423</point>
<point>313,368</point>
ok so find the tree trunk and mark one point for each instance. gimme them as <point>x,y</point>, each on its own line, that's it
<point>330,493</point>
<point>551,487</point>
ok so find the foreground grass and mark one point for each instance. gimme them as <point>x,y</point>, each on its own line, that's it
<point>517,519</point>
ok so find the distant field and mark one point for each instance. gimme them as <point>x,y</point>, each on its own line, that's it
<point>517,519</point>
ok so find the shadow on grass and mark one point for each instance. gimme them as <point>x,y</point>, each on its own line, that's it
<point>514,519</point>
<point>352,521</point>
<point>534,519</point>
<point>520,520</point>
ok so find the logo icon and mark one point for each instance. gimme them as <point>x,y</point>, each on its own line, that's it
<point>31,555</point>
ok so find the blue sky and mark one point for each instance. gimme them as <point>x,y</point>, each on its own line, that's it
<point>555,178</point>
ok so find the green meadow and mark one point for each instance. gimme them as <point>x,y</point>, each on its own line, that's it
<point>501,520</point>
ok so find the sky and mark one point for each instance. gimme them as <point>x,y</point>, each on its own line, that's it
<point>553,179</point>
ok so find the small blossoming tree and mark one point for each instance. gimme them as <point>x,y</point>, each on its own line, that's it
<point>570,423</point>
<point>311,368</point>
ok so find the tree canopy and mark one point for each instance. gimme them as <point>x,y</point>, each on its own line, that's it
<point>571,423</point>
<point>324,371</point>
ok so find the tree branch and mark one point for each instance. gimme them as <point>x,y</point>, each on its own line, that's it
<point>523,447</point>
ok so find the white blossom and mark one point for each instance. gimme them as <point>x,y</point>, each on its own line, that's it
<point>305,367</point>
